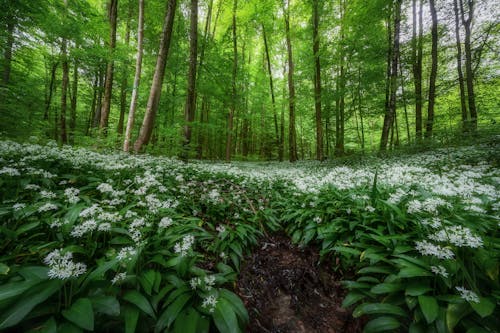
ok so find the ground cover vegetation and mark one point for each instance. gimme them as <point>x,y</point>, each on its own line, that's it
<point>94,241</point>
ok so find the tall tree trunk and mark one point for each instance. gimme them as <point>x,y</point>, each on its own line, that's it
<point>108,85</point>
<point>433,75</point>
<point>340,101</point>
<point>137,78</point>
<point>467,22</point>
<point>190,107</point>
<point>7,55</point>
<point>97,113</point>
<point>64,90</point>
<point>124,83</point>
<point>74,98</point>
<point>50,93</point>
<point>93,104</point>
<point>154,95</point>
<point>403,97</point>
<point>233,99</point>
<point>317,83</point>
<point>292,136</point>
<point>463,102</point>
<point>417,56</point>
<point>271,86</point>
<point>391,110</point>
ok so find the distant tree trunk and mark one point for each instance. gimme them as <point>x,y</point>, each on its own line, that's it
<point>74,98</point>
<point>433,75</point>
<point>271,86</point>
<point>233,99</point>
<point>137,78</point>
<point>64,90</point>
<point>403,97</point>
<point>463,102</point>
<point>468,61</point>
<point>108,85</point>
<point>281,148</point>
<point>340,82</point>
<point>360,110</point>
<point>95,87</point>
<point>100,89</point>
<point>154,95</point>
<point>292,136</point>
<point>189,110</point>
<point>7,55</point>
<point>50,93</point>
<point>391,110</point>
<point>417,67</point>
<point>124,83</point>
<point>317,83</point>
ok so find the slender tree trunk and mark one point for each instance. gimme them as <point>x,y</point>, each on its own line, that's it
<point>137,78</point>
<point>233,100</point>
<point>340,101</point>
<point>292,136</point>
<point>417,49</point>
<point>271,86</point>
<point>48,100</point>
<point>360,110</point>
<point>74,98</point>
<point>7,55</point>
<point>64,90</point>
<point>154,95</point>
<point>97,113</point>
<point>317,83</point>
<point>468,61</point>
<point>92,105</point>
<point>189,110</point>
<point>124,83</point>
<point>403,97</point>
<point>433,75</point>
<point>463,102</point>
<point>108,85</point>
<point>391,111</point>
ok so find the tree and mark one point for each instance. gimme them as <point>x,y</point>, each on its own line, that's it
<point>64,84</point>
<point>123,85</point>
<point>433,75</point>
<point>292,136</point>
<point>471,98</point>
<point>232,109</point>
<point>317,82</point>
<point>108,84</point>
<point>159,73</point>
<point>189,111</point>
<point>417,49</point>
<point>137,78</point>
<point>463,102</point>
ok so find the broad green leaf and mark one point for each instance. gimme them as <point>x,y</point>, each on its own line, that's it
<point>81,313</point>
<point>187,321</point>
<point>225,318</point>
<point>375,269</point>
<point>34,272</point>
<point>413,271</point>
<point>147,280</point>
<point>484,308</point>
<point>385,288</point>
<point>168,316</point>
<point>381,324</point>
<point>27,227</point>
<point>106,304</point>
<point>28,301</point>
<point>138,299</point>
<point>455,312</point>
<point>352,298</point>
<point>50,326</point>
<point>131,316</point>
<point>377,308</point>
<point>417,288</point>
<point>69,328</point>
<point>237,304</point>
<point>429,307</point>
<point>14,289</point>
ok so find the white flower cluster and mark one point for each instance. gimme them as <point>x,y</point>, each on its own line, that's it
<point>428,249</point>
<point>71,194</point>
<point>18,206</point>
<point>220,229</point>
<point>62,266</point>
<point>184,246</point>
<point>81,229</point>
<point>439,270</point>
<point>135,228</point>
<point>47,207</point>
<point>210,302</point>
<point>90,211</point>
<point>468,295</point>
<point>105,188</point>
<point>47,194</point>
<point>165,222</point>
<point>457,235</point>
<point>119,277</point>
<point>9,171</point>
<point>126,254</point>
<point>317,219</point>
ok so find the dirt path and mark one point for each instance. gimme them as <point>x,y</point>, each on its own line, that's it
<point>285,290</point>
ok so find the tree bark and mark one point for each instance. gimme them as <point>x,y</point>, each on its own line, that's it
<point>292,136</point>
<point>417,67</point>
<point>433,75</point>
<point>463,102</point>
<point>233,99</point>
<point>391,110</point>
<point>64,90</point>
<point>100,89</point>
<point>154,95</point>
<point>137,78</point>
<point>108,84</point>
<point>467,22</point>
<point>124,83</point>
<point>340,82</point>
<point>74,99</point>
<point>48,99</point>
<point>7,55</point>
<point>190,107</point>
<point>317,83</point>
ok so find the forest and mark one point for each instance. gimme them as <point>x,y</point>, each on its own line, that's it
<point>197,166</point>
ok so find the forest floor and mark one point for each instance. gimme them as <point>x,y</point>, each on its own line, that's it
<point>286,289</point>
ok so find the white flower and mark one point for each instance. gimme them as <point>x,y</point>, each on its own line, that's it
<point>47,194</point>
<point>62,266</point>
<point>428,249</point>
<point>210,302</point>
<point>468,295</point>
<point>9,171</point>
<point>165,222</point>
<point>47,207</point>
<point>126,254</point>
<point>221,229</point>
<point>18,206</point>
<point>318,219</point>
<point>120,277</point>
<point>71,194</point>
<point>32,187</point>
<point>209,281</point>
<point>184,246</point>
<point>105,188</point>
<point>195,282</point>
<point>458,236</point>
<point>439,270</point>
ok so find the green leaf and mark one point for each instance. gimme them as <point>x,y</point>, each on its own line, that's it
<point>34,272</point>
<point>484,308</point>
<point>375,269</point>
<point>27,227</point>
<point>28,301</point>
<point>237,304</point>
<point>147,280</point>
<point>377,308</point>
<point>138,299</point>
<point>417,288</point>
<point>381,324</point>
<point>187,321</point>
<point>168,316</point>
<point>14,289</point>
<point>106,304</point>
<point>81,314</point>
<point>385,288</point>
<point>455,312</point>
<point>429,307</point>
<point>131,316</point>
<point>50,326</point>
<point>352,298</point>
<point>69,328</point>
<point>225,318</point>
<point>413,271</point>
